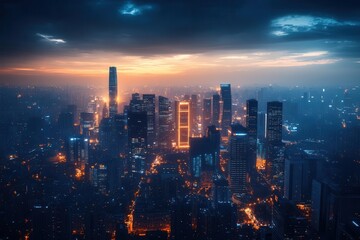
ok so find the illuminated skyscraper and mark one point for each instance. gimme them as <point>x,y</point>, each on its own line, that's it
<point>216,110</point>
<point>274,123</point>
<point>238,158</point>
<point>166,124</point>
<point>274,162</point>
<point>227,108</point>
<point>251,125</point>
<point>77,155</point>
<point>149,105</point>
<point>206,118</point>
<point>137,141</point>
<point>182,124</point>
<point>113,91</point>
<point>195,115</point>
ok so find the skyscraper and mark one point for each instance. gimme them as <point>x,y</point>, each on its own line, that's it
<point>206,118</point>
<point>204,153</point>
<point>137,140</point>
<point>274,123</point>
<point>238,158</point>
<point>136,103</point>
<point>227,108</point>
<point>216,110</point>
<point>149,104</point>
<point>113,91</point>
<point>194,115</point>
<point>165,123</point>
<point>182,124</point>
<point>87,123</point>
<point>274,162</point>
<point>251,125</point>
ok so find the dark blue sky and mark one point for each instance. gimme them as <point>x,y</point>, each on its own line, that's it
<point>191,42</point>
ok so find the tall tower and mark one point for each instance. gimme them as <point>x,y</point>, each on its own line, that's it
<point>274,139</point>
<point>137,140</point>
<point>227,108</point>
<point>216,110</point>
<point>182,124</point>
<point>274,123</point>
<point>149,104</point>
<point>166,125</point>
<point>238,158</point>
<point>251,125</point>
<point>206,118</point>
<point>113,92</point>
<point>194,115</point>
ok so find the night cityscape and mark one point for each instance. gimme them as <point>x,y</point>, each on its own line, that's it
<point>180,120</point>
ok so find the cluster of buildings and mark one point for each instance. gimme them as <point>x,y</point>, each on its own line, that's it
<point>197,166</point>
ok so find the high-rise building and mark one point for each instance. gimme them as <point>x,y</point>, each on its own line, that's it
<point>238,158</point>
<point>182,124</point>
<point>300,170</point>
<point>149,105</point>
<point>294,169</point>
<point>136,103</point>
<point>216,110</point>
<point>206,118</point>
<point>194,116</point>
<point>274,123</point>
<point>77,155</point>
<point>251,126</point>
<point>261,126</point>
<point>204,153</point>
<point>113,135</point>
<point>227,108</point>
<point>87,123</point>
<point>113,91</point>
<point>166,125</point>
<point>214,136</point>
<point>137,141</point>
<point>274,162</point>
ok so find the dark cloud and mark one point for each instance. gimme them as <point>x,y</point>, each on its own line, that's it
<point>163,26</point>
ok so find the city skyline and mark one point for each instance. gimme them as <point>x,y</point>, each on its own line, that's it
<point>180,43</point>
<point>180,120</point>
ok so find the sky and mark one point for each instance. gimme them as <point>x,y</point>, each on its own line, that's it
<point>168,42</point>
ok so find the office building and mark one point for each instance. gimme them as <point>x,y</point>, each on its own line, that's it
<point>195,112</point>
<point>274,123</point>
<point>216,110</point>
<point>227,108</point>
<point>137,141</point>
<point>166,124</point>
<point>149,105</point>
<point>87,123</point>
<point>182,124</point>
<point>251,126</point>
<point>113,91</point>
<point>206,118</point>
<point>204,153</point>
<point>274,160</point>
<point>238,158</point>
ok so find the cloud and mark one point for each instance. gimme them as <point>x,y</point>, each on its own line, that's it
<point>145,28</point>
<point>133,10</point>
<point>301,24</point>
<point>51,39</point>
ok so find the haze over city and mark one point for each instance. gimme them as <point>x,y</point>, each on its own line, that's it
<point>180,120</point>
